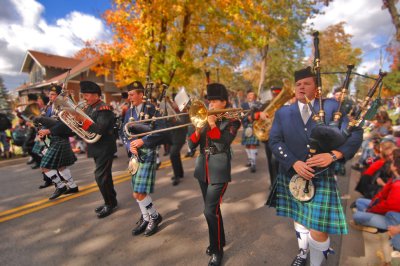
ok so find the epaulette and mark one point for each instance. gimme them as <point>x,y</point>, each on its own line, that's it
<point>105,108</point>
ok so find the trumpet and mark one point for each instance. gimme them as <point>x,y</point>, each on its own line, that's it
<point>198,114</point>
<point>67,111</point>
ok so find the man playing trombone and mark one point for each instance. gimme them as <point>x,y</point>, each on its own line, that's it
<point>144,149</point>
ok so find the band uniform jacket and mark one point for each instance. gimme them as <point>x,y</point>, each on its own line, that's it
<point>213,165</point>
<point>151,140</point>
<point>103,118</point>
<point>289,137</point>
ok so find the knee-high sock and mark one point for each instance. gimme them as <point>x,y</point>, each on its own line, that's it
<point>302,234</point>
<point>253,155</point>
<point>248,154</point>
<point>143,210</point>
<point>147,202</point>
<point>318,251</point>
<point>53,175</point>
<point>66,174</point>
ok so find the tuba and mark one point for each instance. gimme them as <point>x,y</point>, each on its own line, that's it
<point>67,111</point>
<point>261,128</point>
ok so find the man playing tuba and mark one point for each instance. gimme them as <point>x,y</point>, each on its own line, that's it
<point>103,150</point>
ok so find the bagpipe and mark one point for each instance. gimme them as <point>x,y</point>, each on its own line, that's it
<point>326,137</point>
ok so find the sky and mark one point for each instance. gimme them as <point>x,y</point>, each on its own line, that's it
<point>62,26</point>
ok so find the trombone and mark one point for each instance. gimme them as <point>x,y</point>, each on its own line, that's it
<point>198,114</point>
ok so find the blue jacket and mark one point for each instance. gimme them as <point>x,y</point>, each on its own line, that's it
<point>289,137</point>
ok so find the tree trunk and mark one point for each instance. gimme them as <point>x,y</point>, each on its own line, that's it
<point>391,6</point>
<point>263,63</point>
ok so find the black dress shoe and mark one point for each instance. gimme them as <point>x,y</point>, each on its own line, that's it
<point>58,192</point>
<point>98,209</point>
<point>141,226</point>
<point>45,185</point>
<point>72,190</point>
<point>175,181</point>
<point>299,261</point>
<point>216,258</point>
<point>107,210</point>
<point>152,227</point>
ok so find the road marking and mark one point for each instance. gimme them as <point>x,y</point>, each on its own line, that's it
<point>45,203</point>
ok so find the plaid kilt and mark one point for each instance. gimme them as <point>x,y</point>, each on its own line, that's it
<point>59,154</point>
<point>252,140</point>
<point>144,179</point>
<point>323,213</point>
<point>38,147</point>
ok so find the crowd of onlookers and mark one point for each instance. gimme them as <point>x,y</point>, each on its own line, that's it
<point>377,210</point>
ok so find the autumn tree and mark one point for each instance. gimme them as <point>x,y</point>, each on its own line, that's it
<point>88,51</point>
<point>336,53</point>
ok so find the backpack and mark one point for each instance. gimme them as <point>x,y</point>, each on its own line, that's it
<point>5,123</point>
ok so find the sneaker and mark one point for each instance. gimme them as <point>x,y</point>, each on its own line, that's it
<point>253,168</point>
<point>368,229</point>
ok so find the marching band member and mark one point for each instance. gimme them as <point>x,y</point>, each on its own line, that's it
<point>143,180</point>
<point>213,167</point>
<point>314,220</point>
<point>59,156</point>
<point>249,140</point>
<point>103,150</point>
<point>178,139</point>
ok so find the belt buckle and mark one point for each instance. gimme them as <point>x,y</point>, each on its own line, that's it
<point>211,150</point>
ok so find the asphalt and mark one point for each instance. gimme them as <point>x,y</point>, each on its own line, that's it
<point>66,231</point>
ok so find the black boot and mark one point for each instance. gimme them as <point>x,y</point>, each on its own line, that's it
<point>141,226</point>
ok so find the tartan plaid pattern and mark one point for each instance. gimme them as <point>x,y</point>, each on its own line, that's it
<point>144,179</point>
<point>38,147</point>
<point>252,140</point>
<point>323,213</point>
<point>59,154</point>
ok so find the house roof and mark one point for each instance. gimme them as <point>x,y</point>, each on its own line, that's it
<point>75,71</point>
<point>47,60</point>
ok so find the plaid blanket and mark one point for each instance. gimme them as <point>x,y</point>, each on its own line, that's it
<point>144,179</point>
<point>323,213</point>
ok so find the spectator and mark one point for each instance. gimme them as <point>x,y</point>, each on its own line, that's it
<point>370,214</point>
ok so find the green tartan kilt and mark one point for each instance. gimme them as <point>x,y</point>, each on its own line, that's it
<point>252,140</point>
<point>58,154</point>
<point>323,213</point>
<point>38,147</point>
<point>144,179</point>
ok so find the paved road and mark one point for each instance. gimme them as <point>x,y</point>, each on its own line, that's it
<point>66,231</point>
